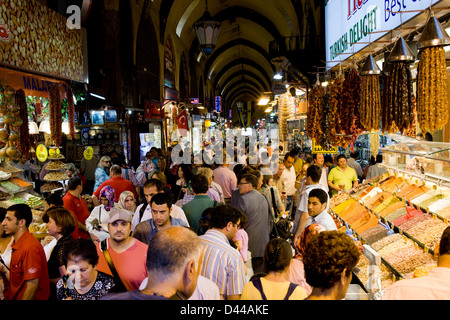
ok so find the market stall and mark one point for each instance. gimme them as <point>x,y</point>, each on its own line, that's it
<point>401,214</point>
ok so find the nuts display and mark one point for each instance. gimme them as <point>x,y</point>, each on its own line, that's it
<point>39,38</point>
<point>55,165</point>
<point>50,186</point>
<point>56,176</point>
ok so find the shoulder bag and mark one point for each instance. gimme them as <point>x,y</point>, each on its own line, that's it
<point>281,228</point>
<point>119,286</point>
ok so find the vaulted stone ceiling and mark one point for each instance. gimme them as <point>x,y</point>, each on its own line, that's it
<point>241,65</point>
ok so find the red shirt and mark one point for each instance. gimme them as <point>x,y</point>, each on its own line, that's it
<point>78,207</point>
<point>28,262</point>
<point>119,185</point>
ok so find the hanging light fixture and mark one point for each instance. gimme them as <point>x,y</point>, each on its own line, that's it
<point>370,67</point>
<point>207,31</point>
<point>401,52</point>
<point>433,35</point>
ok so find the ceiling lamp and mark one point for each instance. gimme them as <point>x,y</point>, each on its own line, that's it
<point>207,31</point>
<point>370,67</point>
<point>44,126</point>
<point>33,127</point>
<point>401,52</point>
<point>433,35</point>
<point>263,101</point>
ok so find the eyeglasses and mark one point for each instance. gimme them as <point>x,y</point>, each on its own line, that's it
<point>106,161</point>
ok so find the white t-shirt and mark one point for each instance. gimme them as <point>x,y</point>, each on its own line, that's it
<point>177,212</point>
<point>289,178</point>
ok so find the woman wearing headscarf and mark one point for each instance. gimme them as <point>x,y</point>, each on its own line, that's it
<point>97,223</point>
<point>127,201</point>
<point>296,270</point>
<point>102,171</point>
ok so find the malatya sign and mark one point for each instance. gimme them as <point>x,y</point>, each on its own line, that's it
<point>349,24</point>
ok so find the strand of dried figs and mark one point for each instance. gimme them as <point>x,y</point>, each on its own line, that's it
<point>71,112</point>
<point>23,144</point>
<point>55,113</point>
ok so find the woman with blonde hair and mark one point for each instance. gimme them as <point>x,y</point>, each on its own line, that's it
<point>102,171</point>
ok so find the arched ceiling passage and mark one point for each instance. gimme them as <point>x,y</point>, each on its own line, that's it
<point>247,27</point>
<point>237,83</point>
<point>242,84</point>
<point>239,74</point>
<point>243,92</point>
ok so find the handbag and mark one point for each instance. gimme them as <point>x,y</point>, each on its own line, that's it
<point>119,286</point>
<point>282,227</point>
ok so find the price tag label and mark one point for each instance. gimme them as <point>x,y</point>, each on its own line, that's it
<point>42,153</point>
<point>88,153</point>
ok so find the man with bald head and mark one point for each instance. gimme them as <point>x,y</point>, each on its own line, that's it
<point>173,264</point>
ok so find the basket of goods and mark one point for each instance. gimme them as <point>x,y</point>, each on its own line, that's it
<point>9,186</point>
<point>4,176</point>
<point>56,176</point>
<point>56,157</point>
<point>51,186</point>
<point>55,166</point>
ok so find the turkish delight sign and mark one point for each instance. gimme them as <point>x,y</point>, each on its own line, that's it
<point>351,24</point>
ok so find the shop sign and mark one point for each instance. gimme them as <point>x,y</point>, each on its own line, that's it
<point>218,103</point>
<point>42,153</point>
<point>316,149</point>
<point>153,110</point>
<point>35,86</point>
<point>349,25</point>
<point>245,113</point>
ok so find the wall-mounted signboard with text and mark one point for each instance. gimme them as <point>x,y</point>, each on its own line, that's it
<point>351,24</point>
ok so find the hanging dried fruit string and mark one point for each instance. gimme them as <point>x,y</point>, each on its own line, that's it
<point>370,110</point>
<point>313,127</point>
<point>349,105</point>
<point>71,112</point>
<point>55,114</point>
<point>335,90</point>
<point>21,124</point>
<point>432,103</point>
<point>397,104</point>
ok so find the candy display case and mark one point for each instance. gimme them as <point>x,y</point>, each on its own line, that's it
<point>422,158</point>
<point>401,217</point>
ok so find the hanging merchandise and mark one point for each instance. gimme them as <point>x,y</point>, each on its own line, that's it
<point>55,114</point>
<point>397,103</point>
<point>11,122</point>
<point>350,103</point>
<point>71,112</point>
<point>432,103</point>
<point>314,114</point>
<point>23,143</point>
<point>335,91</point>
<point>370,110</point>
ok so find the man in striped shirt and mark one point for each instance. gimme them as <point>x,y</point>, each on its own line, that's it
<point>221,262</point>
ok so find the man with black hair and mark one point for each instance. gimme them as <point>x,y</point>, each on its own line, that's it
<point>161,205</point>
<point>319,160</point>
<point>74,202</point>
<point>342,177</point>
<point>317,210</point>
<point>376,170</point>
<point>313,174</point>
<point>28,268</point>
<point>433,286</point>
<point>258,211</point>
<point>144,211</point>
<point>194,208</point>
<point>221,262</point>
<point>352,163</point>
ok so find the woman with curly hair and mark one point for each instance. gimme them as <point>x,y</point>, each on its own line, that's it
<point>329,260</point>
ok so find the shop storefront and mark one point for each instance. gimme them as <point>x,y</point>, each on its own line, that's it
<point>377,104</point>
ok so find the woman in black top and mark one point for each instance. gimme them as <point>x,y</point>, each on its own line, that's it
<point>60,224</point>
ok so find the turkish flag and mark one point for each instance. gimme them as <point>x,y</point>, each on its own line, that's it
<point>182,122</point>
